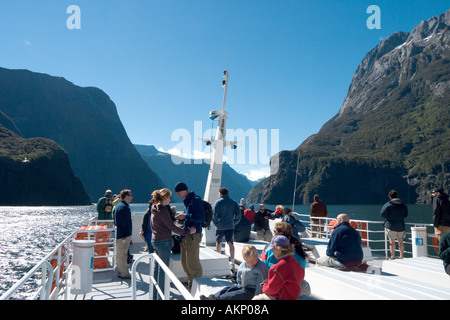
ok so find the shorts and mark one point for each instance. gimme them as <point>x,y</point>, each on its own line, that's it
<point>395,234</point>
<point>228,233</point>
<point>440,231</point>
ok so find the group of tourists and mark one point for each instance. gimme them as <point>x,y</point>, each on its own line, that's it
<point>279,272</point>
<point>260,220</point>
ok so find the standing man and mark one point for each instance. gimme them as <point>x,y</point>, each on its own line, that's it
<point>395,212</point>
<point>344,247</point>
<point>105,206</point>
<point>193,216</point>
<point>226,215</point>
<point>261,223</point>
<point>441,212</point>
<point>319,210</point>
<point>122,219</point>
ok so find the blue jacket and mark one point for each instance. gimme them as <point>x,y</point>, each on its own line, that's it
<point>297,225</point>
<point>270,259</point>
<point>345,245</point>
<point>226,213</point>
<point>122,220</point>
<point>444,249</point>
<point>395,212</point>
<point>195,214</point>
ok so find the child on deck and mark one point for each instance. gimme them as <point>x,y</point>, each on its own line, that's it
<point>250,275</point>
<point>286,276</point>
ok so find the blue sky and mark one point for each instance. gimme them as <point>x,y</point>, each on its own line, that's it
<point>161,61</point>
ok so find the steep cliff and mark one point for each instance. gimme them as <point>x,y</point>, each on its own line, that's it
<point>45,178</point>
<point>84,122</point>
<point>392,131</point>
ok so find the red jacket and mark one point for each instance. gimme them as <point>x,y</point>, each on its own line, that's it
<point>250,215</point>
<point>284,279</point>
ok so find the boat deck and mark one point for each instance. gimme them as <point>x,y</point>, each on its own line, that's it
<point>401,279</point>
<point>108,286</point>
<point>394,280</point>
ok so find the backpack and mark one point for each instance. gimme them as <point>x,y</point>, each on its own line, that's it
<point>207,208</point>
<point>176,244</point>
<point>108,205</point>
<point>208,214</point>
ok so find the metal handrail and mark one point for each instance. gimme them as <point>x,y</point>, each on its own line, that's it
<point>372,235</point>
<point>46,282</point>
<point>44,288</point>
<point>63,254</point>
<point>155,261</point>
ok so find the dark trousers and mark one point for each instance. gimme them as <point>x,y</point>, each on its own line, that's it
<point>235,293</point>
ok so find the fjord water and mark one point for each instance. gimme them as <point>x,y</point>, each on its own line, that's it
<point>28,234</point>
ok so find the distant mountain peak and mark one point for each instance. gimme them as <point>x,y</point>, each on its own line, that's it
<point>433,26</point>
<point>391,132</point>
<point>395,59</point>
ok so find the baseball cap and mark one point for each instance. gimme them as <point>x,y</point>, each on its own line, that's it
<point>278,241</point>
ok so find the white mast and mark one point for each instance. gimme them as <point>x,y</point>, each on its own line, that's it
<point>214,181</point>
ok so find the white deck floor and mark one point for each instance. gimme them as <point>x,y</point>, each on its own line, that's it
<point>107,286</point>
<point>410,278</point>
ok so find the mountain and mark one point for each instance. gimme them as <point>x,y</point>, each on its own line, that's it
<point>46,178</point>
<point>194,175</point>
<point>392,131</point>
<point>84,122</point>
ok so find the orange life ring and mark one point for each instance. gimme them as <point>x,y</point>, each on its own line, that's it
<point>82,235</point>
<point>332,224</point>
<point>435,244</point>
<point>357,226</point>
<point>101,236</point>
<point>100,249</point>
<point>54,264</point>
<point>363,226</point>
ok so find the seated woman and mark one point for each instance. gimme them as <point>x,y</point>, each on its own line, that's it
<point>284,277</point>
<point>297,225</point>
<point>285,229</point>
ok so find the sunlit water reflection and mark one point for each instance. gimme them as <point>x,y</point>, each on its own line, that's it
<point>28,234</point>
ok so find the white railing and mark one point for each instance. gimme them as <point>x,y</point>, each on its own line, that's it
<point>372,233</point>
<point>44,288</point>
<point>154,286</point>
<point>55,268</point>
<point>53,275</point>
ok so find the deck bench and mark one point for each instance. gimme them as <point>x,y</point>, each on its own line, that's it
<point>213,264</point>
<point>321,248</point>
<point>333,284</point>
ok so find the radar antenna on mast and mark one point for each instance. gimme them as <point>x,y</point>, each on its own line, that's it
<point>214,181</point>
